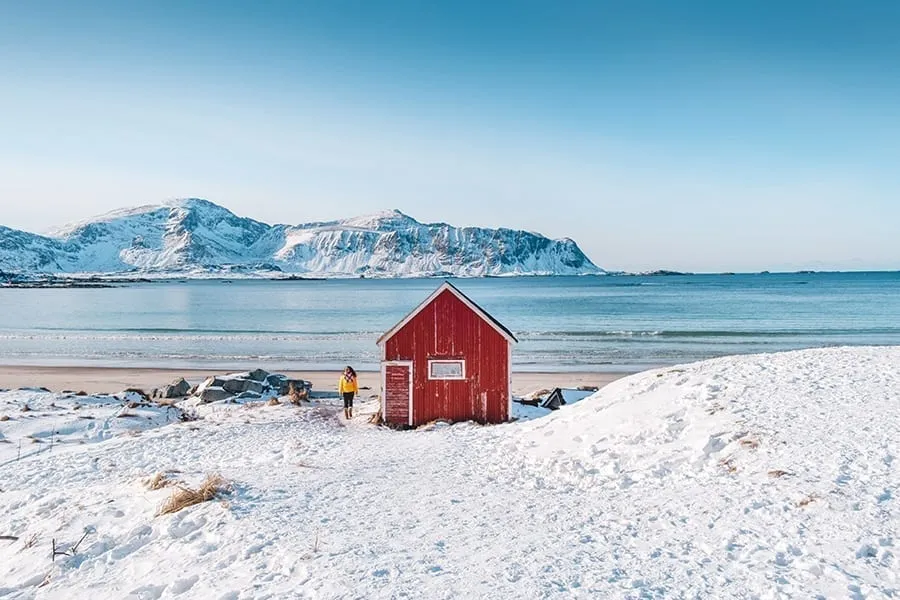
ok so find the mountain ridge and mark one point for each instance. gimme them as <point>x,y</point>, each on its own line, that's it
<point>193,236</point>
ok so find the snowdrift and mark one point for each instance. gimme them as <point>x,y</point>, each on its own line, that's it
<point>745,477</point>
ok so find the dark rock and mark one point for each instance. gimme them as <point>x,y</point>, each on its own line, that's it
<point>214,394</point>
<point>277,382</point>
<point>255,386</point>
<point>236,386</point>
<point>249,396</point>
<point>258,375</point>
<point>177,389</point>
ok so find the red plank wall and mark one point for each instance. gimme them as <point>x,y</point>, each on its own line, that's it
<point>448,329</point>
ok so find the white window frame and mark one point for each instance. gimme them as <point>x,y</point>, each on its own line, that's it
<point>459,361</point>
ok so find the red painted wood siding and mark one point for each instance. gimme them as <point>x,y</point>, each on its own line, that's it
<point>396,393</point>
<point>448,329</point>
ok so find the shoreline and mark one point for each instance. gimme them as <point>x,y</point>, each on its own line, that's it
<point>95,380</point>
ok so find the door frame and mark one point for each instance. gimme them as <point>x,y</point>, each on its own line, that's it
<point>396,363</point>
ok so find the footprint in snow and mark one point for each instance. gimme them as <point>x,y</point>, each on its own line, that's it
<point>182,585</point>
<point>147,592</point>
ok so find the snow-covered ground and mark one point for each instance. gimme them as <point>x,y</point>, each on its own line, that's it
<point>36,421</point>
<point>748,477</point>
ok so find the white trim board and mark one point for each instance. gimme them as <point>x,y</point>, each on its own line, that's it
<point>461,361</point>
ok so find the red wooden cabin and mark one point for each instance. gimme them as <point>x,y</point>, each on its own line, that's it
<point>448,359</point>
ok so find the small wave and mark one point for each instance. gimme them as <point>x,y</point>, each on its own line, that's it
<point>201,331</point>
<point>564,334</point>
<point>714,333</point>
<point>186,338</point>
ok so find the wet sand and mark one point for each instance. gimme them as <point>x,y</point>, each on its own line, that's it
<point>114,379</point>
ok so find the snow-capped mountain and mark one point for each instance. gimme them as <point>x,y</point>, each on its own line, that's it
<point>194,236</point>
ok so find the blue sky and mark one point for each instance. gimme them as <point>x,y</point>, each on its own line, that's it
<point>701,136</point>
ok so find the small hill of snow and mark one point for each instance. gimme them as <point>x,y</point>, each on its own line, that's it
<point>746,477</point>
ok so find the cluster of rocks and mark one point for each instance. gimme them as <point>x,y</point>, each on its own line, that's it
<point>253,385</point>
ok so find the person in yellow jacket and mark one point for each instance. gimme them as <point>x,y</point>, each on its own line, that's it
<point>348,387</point>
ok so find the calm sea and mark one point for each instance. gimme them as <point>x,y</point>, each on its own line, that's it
<point>563,323</point>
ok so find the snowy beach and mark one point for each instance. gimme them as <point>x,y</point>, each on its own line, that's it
<point>744,477</point>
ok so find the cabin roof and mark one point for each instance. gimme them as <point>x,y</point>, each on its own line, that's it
<point>447,286</point>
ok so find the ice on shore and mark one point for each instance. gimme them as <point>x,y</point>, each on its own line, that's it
<point>755,476</point>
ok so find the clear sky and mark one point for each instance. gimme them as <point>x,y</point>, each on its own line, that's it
<point>702,136</point>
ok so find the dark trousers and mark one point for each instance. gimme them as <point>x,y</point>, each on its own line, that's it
<point>348,399</point>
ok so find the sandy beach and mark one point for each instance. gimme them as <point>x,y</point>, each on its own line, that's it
<point>95,380</point>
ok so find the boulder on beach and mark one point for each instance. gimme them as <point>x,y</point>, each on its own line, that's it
<point>236,386</point>
<point>258,375</point>
<point>214,394</point>
<point>177,389</point>
<point>277,382</point>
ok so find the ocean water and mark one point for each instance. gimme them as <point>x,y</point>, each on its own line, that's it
<point>563,323</point>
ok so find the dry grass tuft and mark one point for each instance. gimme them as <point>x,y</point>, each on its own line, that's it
<point>25,408</point>
<point>777,473</point>
<point>158,481</point>
<point>273,402</point>
<point>296,394</point>
<point>183,497</point>
<point>376,418</point>
<point>807,501</point>
<point>4,417</point>
<point>728,465</point>
<point>750,443</point>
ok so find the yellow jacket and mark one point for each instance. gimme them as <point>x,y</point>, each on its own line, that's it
<point>345,386</point>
